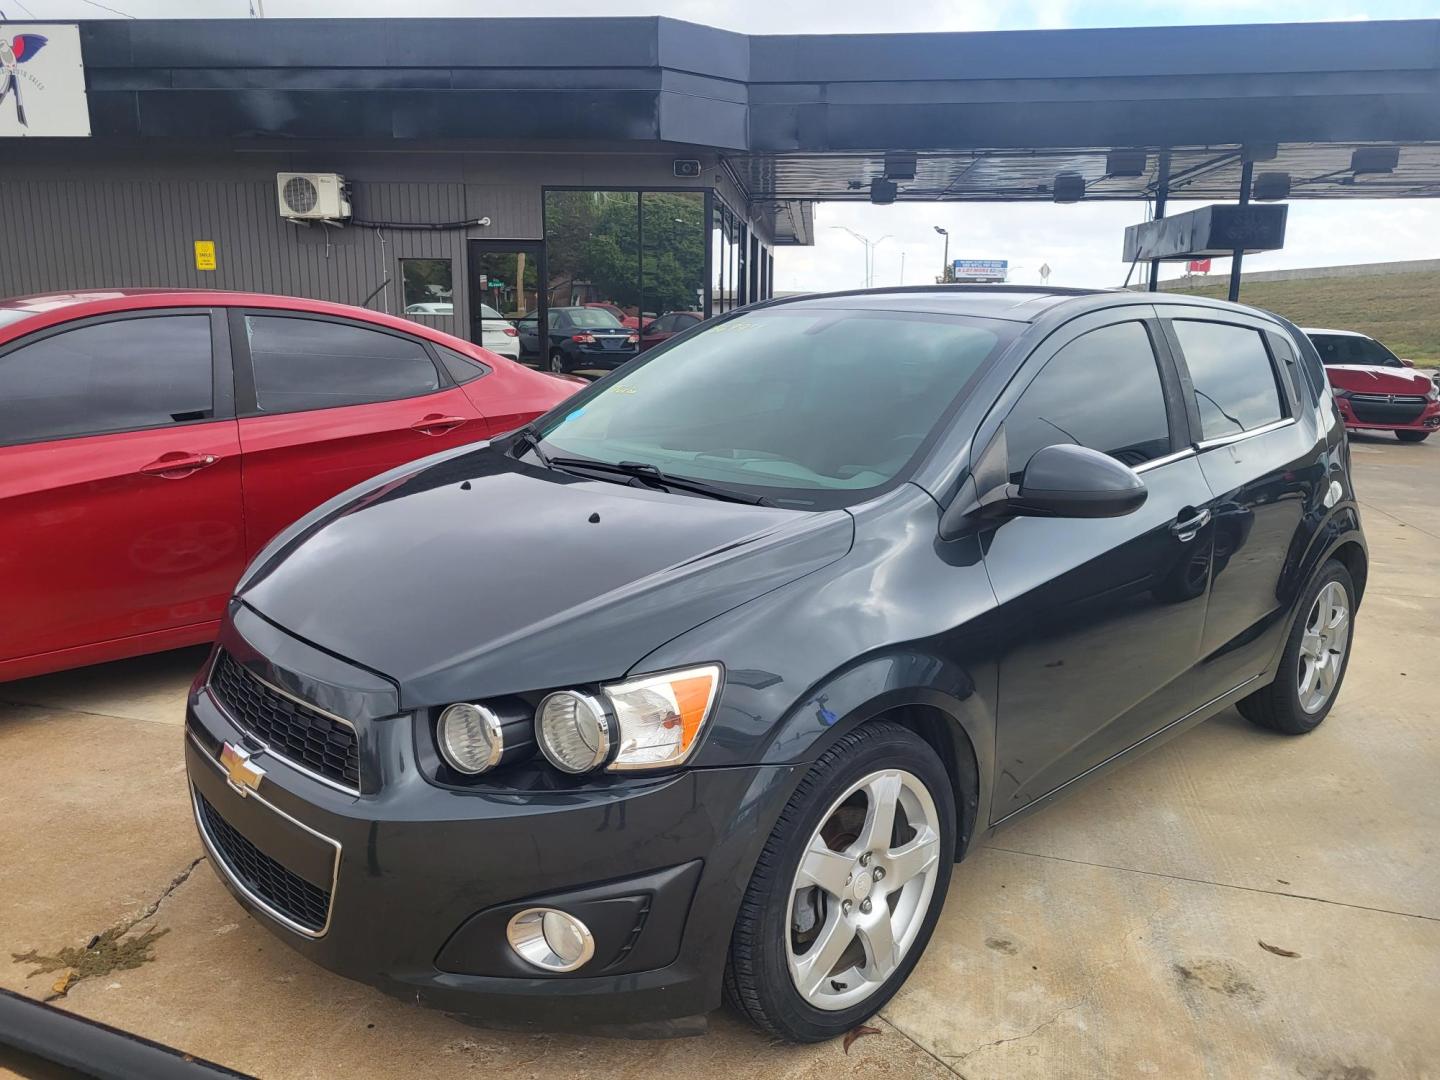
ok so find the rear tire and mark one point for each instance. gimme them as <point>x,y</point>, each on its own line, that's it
<point>557,361</point>
<point>1412,436</point>
<point>1293,704</point>
<point>850,928</point>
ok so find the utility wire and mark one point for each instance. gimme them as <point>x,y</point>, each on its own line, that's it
<point>113,11</point>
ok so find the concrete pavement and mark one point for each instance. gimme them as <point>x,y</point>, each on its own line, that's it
<point>1142,927</point>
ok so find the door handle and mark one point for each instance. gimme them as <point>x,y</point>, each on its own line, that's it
<point>1185,530</point>
<point>435,424</point>
<point>175,466</point>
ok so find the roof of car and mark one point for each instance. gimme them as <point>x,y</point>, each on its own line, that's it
<point>46,309</point>
<point>1016,303</point>
<point>1338,333</point>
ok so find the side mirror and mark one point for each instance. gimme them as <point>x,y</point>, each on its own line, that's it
<point>1077,482</point>
<point>1064,480</point>
<point>1407,363</point>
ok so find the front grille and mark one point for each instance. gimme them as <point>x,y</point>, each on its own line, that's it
<point>290,895</point>
<point>1381,409</point>
<point>325,746</point>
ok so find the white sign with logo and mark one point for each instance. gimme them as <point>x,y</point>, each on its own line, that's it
<point>42,80</point>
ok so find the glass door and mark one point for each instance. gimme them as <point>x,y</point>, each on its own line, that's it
<point>505,288</point>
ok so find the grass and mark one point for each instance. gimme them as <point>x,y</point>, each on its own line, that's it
<point>1402,310</point>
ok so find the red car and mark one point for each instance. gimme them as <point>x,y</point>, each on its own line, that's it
<point>1374,388</point>
<point>667,326</point>
<point>152,441</point>
<point>630,321</point>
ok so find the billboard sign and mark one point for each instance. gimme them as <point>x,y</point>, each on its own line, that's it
<point>42,80</point>
<point>980,269</point>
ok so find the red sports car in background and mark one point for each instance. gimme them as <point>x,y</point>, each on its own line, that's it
<point>1374,388</point>
<point>152,441</point>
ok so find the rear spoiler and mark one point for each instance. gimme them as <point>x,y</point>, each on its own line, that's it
<point>39,1040</point>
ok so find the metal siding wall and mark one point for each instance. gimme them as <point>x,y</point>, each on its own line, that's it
<point>92,217</point>
<point>97,232</point>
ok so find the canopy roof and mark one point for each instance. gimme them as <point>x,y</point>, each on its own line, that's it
<point>987,116</point>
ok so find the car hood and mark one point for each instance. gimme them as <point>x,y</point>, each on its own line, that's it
<point>481,575</point>
<point>1366,379</point>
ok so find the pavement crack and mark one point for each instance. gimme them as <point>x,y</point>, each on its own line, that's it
<point>108,951</point>
<point>151,908</point>
<point>1019,1038</point>
<point>1215,884</point>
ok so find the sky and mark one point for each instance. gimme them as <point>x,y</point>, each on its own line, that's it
<point>1080,243</point>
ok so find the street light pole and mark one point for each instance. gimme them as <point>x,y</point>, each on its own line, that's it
<point>870,246</point>
<point>945,262</point>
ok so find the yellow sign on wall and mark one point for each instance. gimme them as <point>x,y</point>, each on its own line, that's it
<point>204,254</point>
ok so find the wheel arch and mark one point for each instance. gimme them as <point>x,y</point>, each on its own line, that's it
<point>1353,556</point>
<point>947,706</point>
<point>956,752</point>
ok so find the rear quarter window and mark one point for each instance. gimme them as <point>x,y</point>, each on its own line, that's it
<point>1235,384</point>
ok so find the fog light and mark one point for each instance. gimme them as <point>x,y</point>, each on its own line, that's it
<point>551,939</point>
<point>575,731</point>
<point>470,738</point>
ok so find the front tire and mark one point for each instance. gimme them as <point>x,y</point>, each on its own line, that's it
<point>1412,436</point>
<point>1317,654</point>
<point>848,888</point>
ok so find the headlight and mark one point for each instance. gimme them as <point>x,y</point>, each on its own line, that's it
<point>470,738</point>
<point>647,723</point>
<point>575,731</point>
<point>1433,394</point>
<point>660,716</point>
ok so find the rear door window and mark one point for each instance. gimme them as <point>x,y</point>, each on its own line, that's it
<point>1234,380</point>
<point>119,375</point>
<point>1102,390</point>
<point>302,364</point>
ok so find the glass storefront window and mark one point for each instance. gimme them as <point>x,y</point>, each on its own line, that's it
<point>638,255</point>
<point>672,228</point>
<point>727,257</point>
<point>428,287</point>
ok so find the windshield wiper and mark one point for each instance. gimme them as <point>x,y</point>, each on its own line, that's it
<point>528,435</point>
<point>644,471</point>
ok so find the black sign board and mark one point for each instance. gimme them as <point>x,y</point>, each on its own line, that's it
<point>1211,230</point>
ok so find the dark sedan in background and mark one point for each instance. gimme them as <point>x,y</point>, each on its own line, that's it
<point>579,339</point>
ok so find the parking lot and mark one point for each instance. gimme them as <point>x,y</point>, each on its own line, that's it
<point>1235,904</point>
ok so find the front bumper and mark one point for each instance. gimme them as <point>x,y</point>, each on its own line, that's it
<point>419,881</point>
<point>602,359</point>
<point>1373,414</point>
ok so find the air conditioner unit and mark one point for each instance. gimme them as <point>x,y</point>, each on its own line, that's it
<point>312,196</point>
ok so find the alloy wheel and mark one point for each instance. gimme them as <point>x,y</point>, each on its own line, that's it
<point>862,890</point>
<point>1322,646</point>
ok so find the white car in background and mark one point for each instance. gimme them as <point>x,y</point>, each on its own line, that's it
<point>497,333</point>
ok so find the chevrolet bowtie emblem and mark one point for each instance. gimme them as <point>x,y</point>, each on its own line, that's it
<point>242,774</point>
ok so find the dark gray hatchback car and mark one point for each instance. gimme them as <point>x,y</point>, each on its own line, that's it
<point>702,683</point>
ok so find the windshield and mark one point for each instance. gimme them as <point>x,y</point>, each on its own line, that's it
<point>592,317</point>
<point>800,406</point>
<point>1349,349</point>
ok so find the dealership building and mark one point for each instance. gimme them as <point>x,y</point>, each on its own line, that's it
<point>455,170</point>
